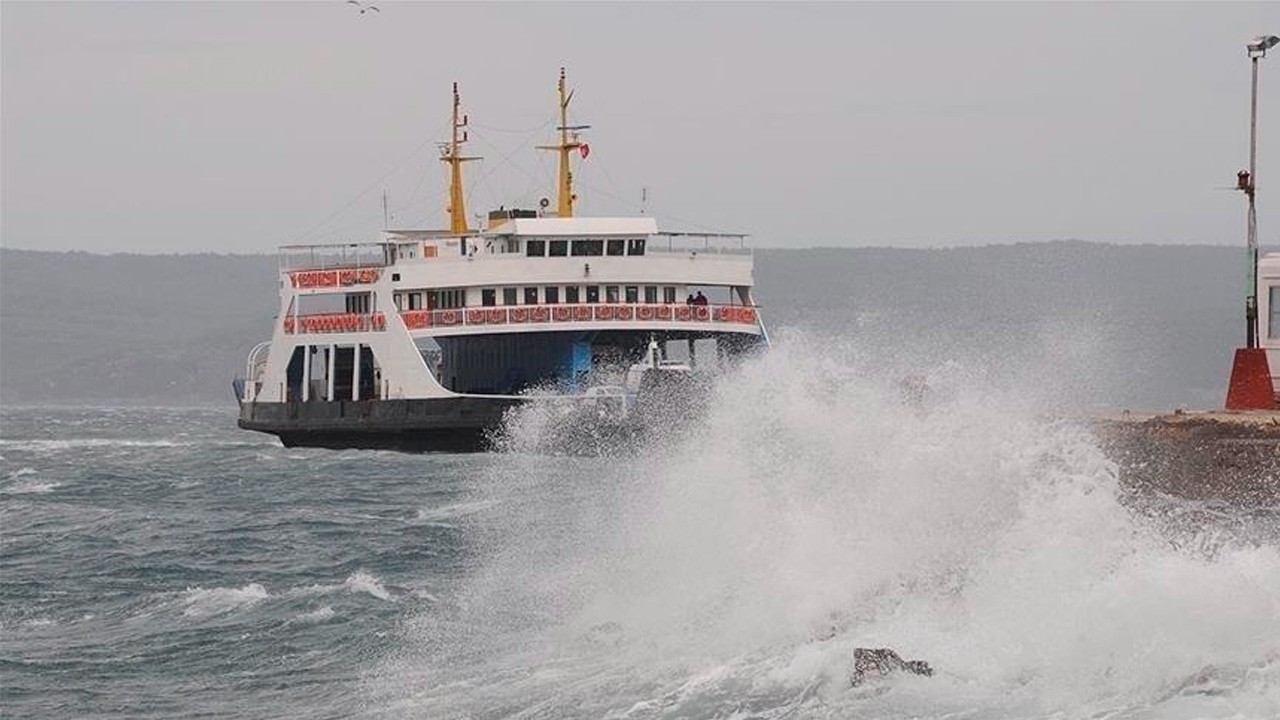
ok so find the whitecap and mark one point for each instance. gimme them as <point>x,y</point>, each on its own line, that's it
<point>31,488</point>
<point>366,583</point>
<point>45,446</point>
<point>452,511</point>
<point>201,602</point>
<point>310,590</point>
<point>320,614</point>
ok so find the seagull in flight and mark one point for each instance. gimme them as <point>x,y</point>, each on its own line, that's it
<point>363,8</point>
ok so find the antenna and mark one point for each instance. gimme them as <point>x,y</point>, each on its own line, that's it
<point>644,199</point>
<point>386,218</point>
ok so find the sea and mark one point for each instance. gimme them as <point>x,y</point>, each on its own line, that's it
<point>158,562</point>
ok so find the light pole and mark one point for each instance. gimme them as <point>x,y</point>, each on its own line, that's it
<point>1246,182</point>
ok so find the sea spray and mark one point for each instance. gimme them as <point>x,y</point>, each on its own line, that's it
<point>734,563</point>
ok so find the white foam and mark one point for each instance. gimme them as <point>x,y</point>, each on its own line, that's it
<point>809,501</point>
<point>318,615</point>
<point>47,446</point>
<point>30,488</point>
<point>201,602</point>
<point>362,582</point>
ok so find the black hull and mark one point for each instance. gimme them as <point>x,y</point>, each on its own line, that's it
<point>455,424</point>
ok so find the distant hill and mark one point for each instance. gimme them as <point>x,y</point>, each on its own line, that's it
<point>1110,325</point>
<point>130,328</point>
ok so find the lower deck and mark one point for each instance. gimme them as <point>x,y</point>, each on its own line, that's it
<point>569,362</point>
<point>459,424</point>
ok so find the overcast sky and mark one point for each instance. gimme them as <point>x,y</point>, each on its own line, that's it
<point>235,127</point>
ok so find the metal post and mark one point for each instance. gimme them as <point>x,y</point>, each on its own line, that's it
<point>1251,230</point>
<point>331,357</point>
<point>1247,181</point>
<point>355,375</point>
<point>306,373</point>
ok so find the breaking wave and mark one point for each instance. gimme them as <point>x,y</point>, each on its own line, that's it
<point>732,564</point>
<point>201,602</point>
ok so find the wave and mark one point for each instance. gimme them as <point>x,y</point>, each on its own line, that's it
<point>319,615</point>
<point>809,510</point>
<point>364,583</point>
<point>356,583</point>
<point>45,446</point>
<point>18,486</point>
<point>201,602</point>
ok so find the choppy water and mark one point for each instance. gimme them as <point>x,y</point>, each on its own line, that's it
<point>162,563</point>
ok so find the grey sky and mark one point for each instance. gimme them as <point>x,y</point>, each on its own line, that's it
<point>234,127</point>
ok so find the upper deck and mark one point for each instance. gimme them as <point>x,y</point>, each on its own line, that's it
<point>526,250</point>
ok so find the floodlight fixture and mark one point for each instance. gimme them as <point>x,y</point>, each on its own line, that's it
<point>1261,44</point>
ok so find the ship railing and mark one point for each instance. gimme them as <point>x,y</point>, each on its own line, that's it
<point>341,256</point>
<point>247,387</point>
<point>335,323</point>
<point>343,277</point>
<point>689,242</point>
<point>257,361</point>
<point>578,313</point>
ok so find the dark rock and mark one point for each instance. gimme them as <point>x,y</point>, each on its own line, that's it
<point>871,663</point>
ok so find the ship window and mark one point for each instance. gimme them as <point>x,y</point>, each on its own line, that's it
<point>668,294</point>
<point>633,293</point>
<point>551,294</point>
<point>635,246</point>
<point>488,297</point>
<point>508,296</point>
<point>616,247</point>
<point>399,301</point>
<point>593,293</point>
<point>611,293</point>
<point>571,293</point>
<point>651,294</point>
<point>531,296</point>
<point>357,303</point>
<point>558,248</point>
<point>535,248</point>
<point>415,301</point>
<point>587,248</point>
<point>1273,324</point>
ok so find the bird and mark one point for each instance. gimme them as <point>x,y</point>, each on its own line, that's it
<point>362,7</point>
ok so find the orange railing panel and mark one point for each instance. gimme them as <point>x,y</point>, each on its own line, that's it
<point>552,314</point>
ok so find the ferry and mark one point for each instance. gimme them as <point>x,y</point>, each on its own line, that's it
<point>425,339</point>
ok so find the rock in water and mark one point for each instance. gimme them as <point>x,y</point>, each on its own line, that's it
<point>869,663</point>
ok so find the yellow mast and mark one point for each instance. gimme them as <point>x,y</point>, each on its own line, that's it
<point>568,143</point>
<point>449,154</point>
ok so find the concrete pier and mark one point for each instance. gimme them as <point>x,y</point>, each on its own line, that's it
<point>1199,455</point>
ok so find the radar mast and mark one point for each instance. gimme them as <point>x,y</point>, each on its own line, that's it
<point>449,154</point>
<point>569,142</point>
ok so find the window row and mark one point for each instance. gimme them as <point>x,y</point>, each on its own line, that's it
<point>571,294</point>
<point>584,248</point>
